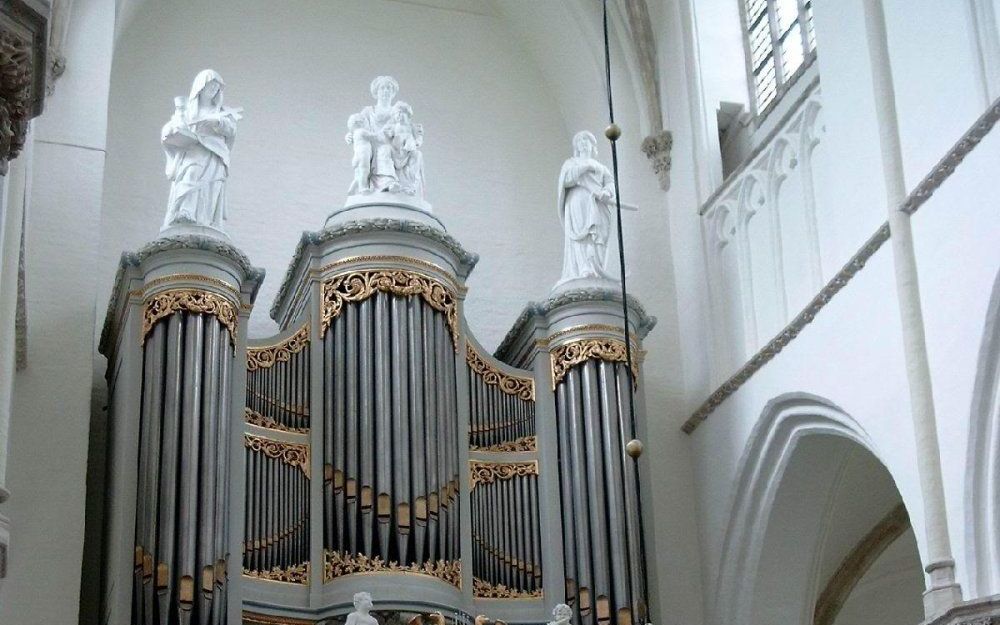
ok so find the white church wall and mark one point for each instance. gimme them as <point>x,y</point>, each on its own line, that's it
<point>51,415</point>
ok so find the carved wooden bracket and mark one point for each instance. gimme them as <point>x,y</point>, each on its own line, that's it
<point>23,44</point>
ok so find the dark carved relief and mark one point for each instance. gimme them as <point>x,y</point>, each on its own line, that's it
<point>15,96</point>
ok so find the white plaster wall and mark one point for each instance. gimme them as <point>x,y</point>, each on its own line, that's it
<point>49,429</point>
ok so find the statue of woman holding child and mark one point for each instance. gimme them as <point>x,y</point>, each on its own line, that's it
<point>386,143</point>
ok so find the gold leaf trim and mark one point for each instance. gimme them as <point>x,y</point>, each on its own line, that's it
<point>589,327</point>
<point>403,260</point>
<point>168,302</point>
<point>489,472</point>
<point>294,454</point>
<point>339,564</point>
<point>482,589</point>
<point>357,286</point>
<point>294,574</point>
<point>525,443</point>
<point>256,618</point>
<point>523,388</point>
<point>190,277</point>
<point>253,417</point>
<point>566,356</point>
<point>267,356</point>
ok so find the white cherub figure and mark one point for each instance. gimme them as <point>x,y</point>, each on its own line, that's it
<point>362,608</point>
<point>406,139</point>
<point>562,614</point>
<point>361,138</point>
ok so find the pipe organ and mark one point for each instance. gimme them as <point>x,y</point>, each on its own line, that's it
<point>372,444</point>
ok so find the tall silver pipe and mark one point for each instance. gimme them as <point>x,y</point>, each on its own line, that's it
<point>623,379</point>
<point>351,375</point>
<point>566,487</point>
<point>367,354</point>
<point>612,450</point>
<point>595,481</point>
<point>190,447</point>
<point>330,466</point>
<point>173,385</point>
<point>340,418</point>
<point>579,473</point>
<point>383,419</point>
<point>401,427</point>
<point>419,485</point>
<point>209,468</point>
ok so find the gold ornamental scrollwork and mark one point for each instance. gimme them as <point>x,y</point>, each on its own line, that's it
<point>482,589</point>
<point>357,286</point>
<point>294,574</point>
<point>523,388</point>
<point>166,303</point>
<point>525,443</point>
<point>267,356</point>
<point>568,355</point>
<point>294,454</point>
<point>489,472</point>
<point>253,417</point>
<point>339,564</point>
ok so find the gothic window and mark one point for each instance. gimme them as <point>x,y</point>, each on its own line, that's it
<point>780,42</point>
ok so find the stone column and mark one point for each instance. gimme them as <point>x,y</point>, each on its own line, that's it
<point>942,592</point>
<point>175,326</point>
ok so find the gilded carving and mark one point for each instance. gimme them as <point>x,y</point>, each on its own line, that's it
<point>294,574</point>
<point>357,286</point>
<point>525,443</point>
<point>339,564</point>
<point>481,589</point>
<point>294,454</point>
<point>566,356</point>
<point>269,355</point>
<point>253,417</point>
<point>524,388</point>
<point>15,95</point>
<point>489,472</point>
<point>166,303</point>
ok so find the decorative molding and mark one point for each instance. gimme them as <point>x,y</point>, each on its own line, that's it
<point>523,388</point>
<point>778,343</point>
<point>253,417</point>
<point>657,149</point>
<point>340,564</point>
<point>590,327</point>
<point>946,166</point>
<point>294,574</point>
<point>566,356</point>
<point>525,443</point>
<point>168,302</point>
<point>256,618</point>
<point>294,454</point>
<point>643,322</point>
<point>482,589</point>
<point>189,277</point>
<point>357,286</point>
<point>854,566</point>
<point>385,260</point>
<point>253,275</point>
<point>23,48</point>
<point>266,356</point>
<point>466,260</point>
<point>489,472</point>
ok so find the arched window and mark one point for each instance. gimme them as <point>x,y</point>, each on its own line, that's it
<point>780,42</point>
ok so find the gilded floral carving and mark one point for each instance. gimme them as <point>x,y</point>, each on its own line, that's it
<point>524,388</point>
<point>339,564</point>
<point>294,454</point>
<point>166,303</point>
<point>481,589</point>
<point>568,355</point>
<point>294,574</point>
<point>489,472</point>
<point>268,356</point>
<point>525,443</point>
<point>253,417</point>
<point>357,286</point>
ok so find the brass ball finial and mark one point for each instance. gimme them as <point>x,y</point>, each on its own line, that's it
<point>612,132</point>
<point>634,448</point>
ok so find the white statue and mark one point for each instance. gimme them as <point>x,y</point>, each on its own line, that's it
<point>586,200</point>
<point>197,141</point>
<point>562,614</point>
<point>386,144</point>
<point>362,608</point>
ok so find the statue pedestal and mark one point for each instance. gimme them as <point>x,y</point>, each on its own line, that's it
<point>183,229</point>
<point>384,205</point>
<point>575,284</point>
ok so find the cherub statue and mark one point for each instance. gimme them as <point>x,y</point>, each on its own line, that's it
<point>562,614</point>
<point>406,138</point>
<point>359,136</point>
<point>362,608</point>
